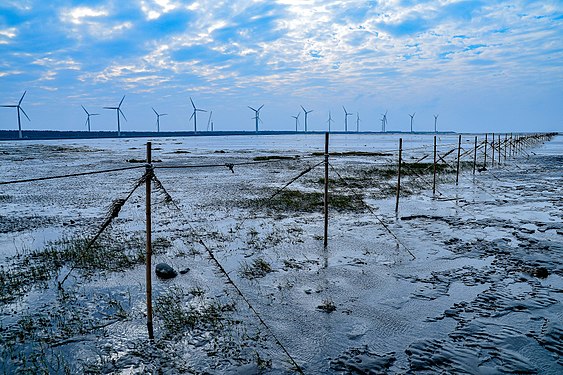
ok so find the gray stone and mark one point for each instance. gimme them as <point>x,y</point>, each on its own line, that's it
<point>164,271</point>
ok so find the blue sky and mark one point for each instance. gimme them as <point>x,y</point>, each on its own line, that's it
<point>481,65</point>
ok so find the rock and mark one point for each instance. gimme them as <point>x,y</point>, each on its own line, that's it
<point>540,272</point>
<point>184,271</point>
<point>164,271</point>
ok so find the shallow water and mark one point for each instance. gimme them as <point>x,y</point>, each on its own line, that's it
<point>471,301</point>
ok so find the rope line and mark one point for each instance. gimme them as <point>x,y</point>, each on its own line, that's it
<point>70,175</point>
<point>371,210</point>
<point>303,173</point>
<point>111,215</point>
<point>223,271</point>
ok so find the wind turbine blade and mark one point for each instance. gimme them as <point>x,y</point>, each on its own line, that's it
<point>122,114</point>
<point>86,123</point>
<point>24,113</point>
<point>344,108</point>
<point>122,99</point>
<point>163,114</point>
<point>154,110</point>
<point>192,116</point>
<point>260,107</point>
<point>85,110</point>
<point>304,110</point>
<point>298,114</point>
<point>21,99</point>
<point>9,105</point>
<point>111,108</point>
<point>252,108</point>
<point>201,110</point>
<point>193,105</point>
<point>94,114</point>
<point>311,111</point>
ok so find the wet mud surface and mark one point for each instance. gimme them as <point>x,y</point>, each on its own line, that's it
<point>482,295</point>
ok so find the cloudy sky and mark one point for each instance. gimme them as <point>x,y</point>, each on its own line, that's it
<point>481,65</point>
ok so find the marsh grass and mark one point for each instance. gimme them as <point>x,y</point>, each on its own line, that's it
<point>36,342</point>
<point>273,157</point>
<point>178,314</point>
<point>112,252</point>
<point>302,201</point>
<point>255,270</point>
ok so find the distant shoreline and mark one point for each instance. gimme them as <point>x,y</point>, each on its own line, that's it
<point>12,135</point>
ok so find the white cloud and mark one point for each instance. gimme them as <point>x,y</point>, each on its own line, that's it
<point>82,15</point>
<point>93,22</point>
<point>7,34</point>
<point>153,9</point>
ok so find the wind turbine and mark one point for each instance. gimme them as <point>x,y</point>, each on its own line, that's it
<point>435,121</point>
<point>118,111</point>
<point>257,117</point>
<point>329,120</point>
<point>357,122</point>
<point>383,121</point>
<point>346,114</point>
<point>412,117</point>
<point>88,118</point>
<point>209,123</point>
<point>306,115</point>
<point>194,114</point>
<point>296,120</point>
<point>158,119</point>
<point>18,106</point>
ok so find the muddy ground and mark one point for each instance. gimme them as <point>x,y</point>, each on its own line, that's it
<point>466,281</point>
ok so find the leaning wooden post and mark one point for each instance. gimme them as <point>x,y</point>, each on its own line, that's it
<point>148,177</point>
<point>499,147</point>
<point>399,174</point>
<point>505,145</point>
<point>475,156</point>
<point>510,146</point>
<point>435,154</point>
<point>326,192</point>
<point>493,151</point>
<point>486,141</point>
<point>458,157</point>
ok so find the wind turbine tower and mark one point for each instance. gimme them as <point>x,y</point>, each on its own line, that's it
<point>296,120</point>
<point>306,115</point>
<point>19,108</point>
<point>88,118</point>
<point>119,112</point>
<point>194,114</point>
<point>412,117</point>
<point>209,122</point>
<point>329,120</point>
<point>346,114</point>
<point>357,122</point>
<point>257,117</point>
<point>158,119</point>
<point>435,121</point>
<point>384,121</point>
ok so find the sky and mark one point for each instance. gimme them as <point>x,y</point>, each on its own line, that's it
<point>481,66</point>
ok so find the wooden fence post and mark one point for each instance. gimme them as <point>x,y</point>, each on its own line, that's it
<point>148,183</point>
<point>475,156</point>
<point>458,157</point>
<point>505,145</point>
<point>486,141</point>
<point>499,148</point>
<point>435,154</point>
<point>326,193</point>
<point>493,151</point>
<point>399,174</point>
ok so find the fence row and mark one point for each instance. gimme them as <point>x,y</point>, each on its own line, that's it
<point>476,154</point>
